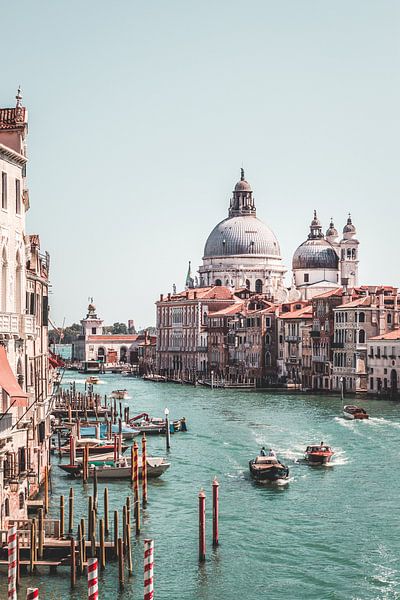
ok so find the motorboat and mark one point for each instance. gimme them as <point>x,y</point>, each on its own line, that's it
<point>350,411</point>
<point>318,454</point>
<point>128,431</point>
<point>268,468</point>
<point>156,425</point>
<point>120,469</point>
<point>95,445</point>
<point>119,394</point>
<point>93,380</point>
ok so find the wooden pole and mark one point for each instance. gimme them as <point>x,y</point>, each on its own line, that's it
<point>32,546</point>
<point>95,502</point>
<point>106,523</point>
<point>121,564</point>
<point>124,523</point>
<point>61,516</point>
<point>90,511</point>
<point>202,526</point>
<point>73,563</point>
<point>41,533</point>
<point>71,511</point>
<point>136,489</point>
<point>128,510</point>
<point>116,532</point>
<point>80,549</point>
<point>46,489</point>
<point>93,544</point>
<point>215,497</point>
<point>83,542</point>
<point>132,464</point>
<point>144,470</point>
<point>102,546</point>
<point>128,550</point>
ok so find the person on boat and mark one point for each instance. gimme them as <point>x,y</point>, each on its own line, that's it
<point>272,453</point>
<point>263,452</point>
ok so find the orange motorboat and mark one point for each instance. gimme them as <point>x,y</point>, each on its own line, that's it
<point>318,455</point>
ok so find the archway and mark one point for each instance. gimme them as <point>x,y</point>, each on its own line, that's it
<point>218,282</point>
<point>122,354</point>
<point>101,353</point>
<point>393,381</point>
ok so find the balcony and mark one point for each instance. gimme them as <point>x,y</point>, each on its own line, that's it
<point>28,325</point>
<point>337,345</point>
<point>292,338</point>
<point>319,359</point>
<point>10,324</point>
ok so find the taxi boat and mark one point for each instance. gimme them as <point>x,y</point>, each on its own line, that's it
<point>351,411</point>
<point>268,468</point>
<point>318,454</point>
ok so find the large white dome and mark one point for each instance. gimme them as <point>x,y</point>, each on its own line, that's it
<point>241,235</point>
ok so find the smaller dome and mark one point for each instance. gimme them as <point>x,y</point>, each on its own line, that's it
<point>315,254</point>
<point>332,231</point>
<point>91,307</point>
<point>349,227</point>
<point>242,185</point>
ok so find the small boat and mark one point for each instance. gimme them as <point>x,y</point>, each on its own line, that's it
<point>93,380</point>
<point>119,394</point>
<point>350,411</point>
<point>120,469</point>
<point>319,454</point>
<point>95,446</point>
<point>128,431</point>
<point>156,425</point>
<point>268,468</point>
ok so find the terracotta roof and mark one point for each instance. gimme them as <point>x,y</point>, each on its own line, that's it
<point>389,335</point>
<point>229,310</point>
<point>302,313</point>
<point>112,338</point>
<point>364,301</point>
<point>217,292</point>
<point>336,292</point>
<point>12,118</point>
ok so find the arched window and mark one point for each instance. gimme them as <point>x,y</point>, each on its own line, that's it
<point>348,253</point>
<point>361,317</point>
<point>4,280</point>
<point>361,336</point>
<point>268,359</point>
<point>6,507</point>
<point>218,282</point>
<point>122,353</point>
<point>101,354</point>
<point>21,500</point>
<point>20,373</point>
<point>18,283</point>
<point>389,318</point>
<point>258,286</point>
<point>247,284</point>
<point>353,253</point>
<point>267,339</point>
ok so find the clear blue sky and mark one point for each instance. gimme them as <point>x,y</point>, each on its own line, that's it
<point>142,113</point>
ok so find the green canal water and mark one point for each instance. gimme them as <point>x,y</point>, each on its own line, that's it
<point>330,533</point>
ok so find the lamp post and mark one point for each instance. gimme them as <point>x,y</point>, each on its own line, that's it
<point>167,432</point>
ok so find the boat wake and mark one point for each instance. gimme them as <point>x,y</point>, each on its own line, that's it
<point>379,421</point>
<point>348,424</point>
<point>338,459</point>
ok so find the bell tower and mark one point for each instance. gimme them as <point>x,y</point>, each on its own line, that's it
<point>91,325</point>
<point>349,255</point>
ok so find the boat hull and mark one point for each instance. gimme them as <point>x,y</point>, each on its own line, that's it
<point>109,471</point>
<point>271,474</point>
<point>316,460</point>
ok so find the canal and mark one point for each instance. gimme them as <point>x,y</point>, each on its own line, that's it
<point>330,533</point>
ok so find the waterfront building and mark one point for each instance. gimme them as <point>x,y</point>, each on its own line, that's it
<point>383,352</point>
<point>182,347</point>
<point>365,313</point>
<point>93,344</point>
<point>321,263</point>
<point>292,319</point>
<point>25,377</point>
<point>242,251</point>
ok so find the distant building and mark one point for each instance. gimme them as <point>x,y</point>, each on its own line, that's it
<point>383,353</point>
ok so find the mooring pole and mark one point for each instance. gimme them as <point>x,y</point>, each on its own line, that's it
<point>215,497</point>
<point>202,526</point>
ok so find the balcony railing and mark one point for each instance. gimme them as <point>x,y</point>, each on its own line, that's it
<point>292,338</point>
<point>10,323</point>
<point>28,325</point>
<point>319,359</point>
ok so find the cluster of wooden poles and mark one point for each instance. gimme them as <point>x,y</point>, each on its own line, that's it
<point>202,519</point>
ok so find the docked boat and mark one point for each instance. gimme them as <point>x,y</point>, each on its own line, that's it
<point>120,469</point>
<point>119,394</point>
<point>350,411</point>
<point>128,431</point>
<point>319,454</point>
<point>95,445</point>
<point>156,425</point>
<point>268,468</point>
<point>93,380</point>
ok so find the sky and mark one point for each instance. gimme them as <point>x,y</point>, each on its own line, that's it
<point>141,115</point>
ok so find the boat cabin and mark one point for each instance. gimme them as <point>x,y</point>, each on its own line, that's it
<point>266,460</point>
<point>318,449</point>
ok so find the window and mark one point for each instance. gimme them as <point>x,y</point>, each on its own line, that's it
<point>93,330</point>
<point>4,191</point>
<point>361,336</point>
<point>218,282</point>
<point>268,322</point>
<point>18,196</point>
<point>389,318</point>
<point>6,507</point>
<point>371,383</point>
<point>258,286</point>
<point>21,500</point>
<point>361,317</point>
<point>306,277</point>
<point>247,284</point>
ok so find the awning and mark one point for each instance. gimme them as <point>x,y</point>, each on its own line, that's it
<point>9,382</point>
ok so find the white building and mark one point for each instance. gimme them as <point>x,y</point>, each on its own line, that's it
<point>384,363</point>
<point>322,263</point>
<point>241,251</point>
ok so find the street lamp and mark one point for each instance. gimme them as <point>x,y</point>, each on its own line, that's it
<point>167,432</point>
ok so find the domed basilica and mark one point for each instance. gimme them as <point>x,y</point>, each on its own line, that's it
<point>243,252</point>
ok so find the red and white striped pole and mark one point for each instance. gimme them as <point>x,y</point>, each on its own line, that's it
<point>148,569</point>
<point>93,585</point>
<point>32,594</point>
<point>12,562</point>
